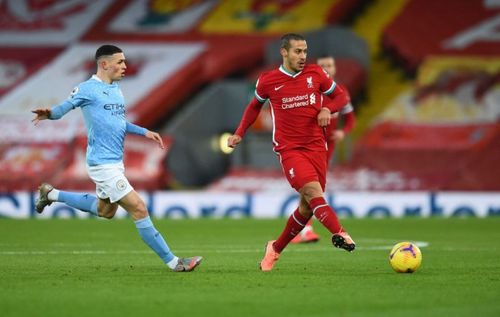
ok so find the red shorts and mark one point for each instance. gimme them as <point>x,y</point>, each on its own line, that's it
<point>302,167</point>
<point>331,149</point>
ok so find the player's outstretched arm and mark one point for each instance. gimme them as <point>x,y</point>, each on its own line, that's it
<point>41,114</point>
<point>249,116</point>
<point>155,137</point>
<point>54,113</point>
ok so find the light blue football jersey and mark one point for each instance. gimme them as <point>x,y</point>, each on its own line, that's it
<point>103,108</point>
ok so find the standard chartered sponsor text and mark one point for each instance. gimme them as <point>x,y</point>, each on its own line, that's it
<point>295,102</point>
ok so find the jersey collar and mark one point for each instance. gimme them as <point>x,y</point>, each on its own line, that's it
<point>286,72</point>
<point>94,77</point>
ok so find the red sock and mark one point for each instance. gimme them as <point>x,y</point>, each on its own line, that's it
<point>325,214</point>
<point>294,225</point>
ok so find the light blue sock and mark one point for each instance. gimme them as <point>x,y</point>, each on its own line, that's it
<point>81,201</point>
<point>154,239</point>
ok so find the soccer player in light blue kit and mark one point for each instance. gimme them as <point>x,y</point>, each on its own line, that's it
<point>102,104</point>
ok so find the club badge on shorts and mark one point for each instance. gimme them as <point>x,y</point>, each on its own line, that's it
<point>121,184</point>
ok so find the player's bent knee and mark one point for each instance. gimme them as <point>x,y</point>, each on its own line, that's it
<point>310,192</point>
<point>108,215</point>
<point>107,212</point>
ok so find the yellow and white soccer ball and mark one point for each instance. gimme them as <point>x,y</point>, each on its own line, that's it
<point>405,257</point>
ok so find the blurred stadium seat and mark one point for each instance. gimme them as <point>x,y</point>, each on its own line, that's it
<point>192,69</point>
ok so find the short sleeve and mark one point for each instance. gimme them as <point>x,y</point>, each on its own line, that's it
<point>78,96</point>
<point>76,99</point>
<point>327,85</point>
<point>260,93</point>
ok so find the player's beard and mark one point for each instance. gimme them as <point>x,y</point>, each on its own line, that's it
<point>299,65</point>
<point>295,66</point>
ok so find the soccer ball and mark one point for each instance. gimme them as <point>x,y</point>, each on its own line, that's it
<point>405,257</point>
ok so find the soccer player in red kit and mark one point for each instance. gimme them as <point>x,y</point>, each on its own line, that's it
<point>294,91</point>
<point>334,134</point>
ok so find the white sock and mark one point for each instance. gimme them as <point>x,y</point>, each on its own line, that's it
<point>53,195</point>
<point>173,263</point>
<point>306,229</point>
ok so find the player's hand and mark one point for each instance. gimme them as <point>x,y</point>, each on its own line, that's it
<point>41,114</point>
<point>337,135</point>
<point>155,137</point>
<point>324,117</point>
<point>233,140</point>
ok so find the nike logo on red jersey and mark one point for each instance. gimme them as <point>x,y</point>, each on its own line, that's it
<point>278,88</point>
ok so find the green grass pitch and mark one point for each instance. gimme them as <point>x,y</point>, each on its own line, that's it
<point>102,268</point>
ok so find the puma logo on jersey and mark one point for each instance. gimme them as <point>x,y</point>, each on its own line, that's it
<point>278,88</point>
<point>291,172</point>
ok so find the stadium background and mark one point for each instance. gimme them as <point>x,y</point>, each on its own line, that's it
<point>421,164</point>
<point>426,95</point>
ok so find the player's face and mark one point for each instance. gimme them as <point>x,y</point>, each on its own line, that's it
<point>328,64</point>
<point>294,58</point>
<point>116,66</point>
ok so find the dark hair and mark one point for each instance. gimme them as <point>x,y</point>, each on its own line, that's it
<point>107,50</point>
<point>285,39</point>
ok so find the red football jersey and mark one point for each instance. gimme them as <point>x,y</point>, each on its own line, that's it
<point>295,101</point>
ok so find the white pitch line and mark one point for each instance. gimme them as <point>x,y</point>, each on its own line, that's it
<point>420,244</point>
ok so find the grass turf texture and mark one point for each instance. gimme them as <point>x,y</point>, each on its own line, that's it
<point>93,268</point>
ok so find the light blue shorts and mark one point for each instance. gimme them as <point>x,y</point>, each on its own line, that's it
<point>110,181</point>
